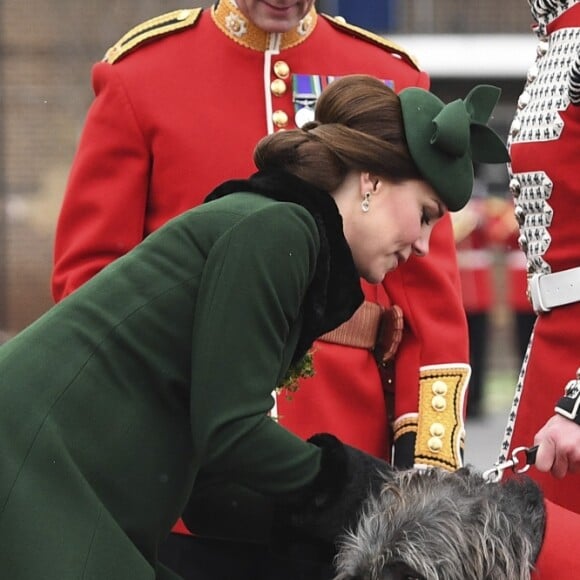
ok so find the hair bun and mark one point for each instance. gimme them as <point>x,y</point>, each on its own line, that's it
<point>310,125</point>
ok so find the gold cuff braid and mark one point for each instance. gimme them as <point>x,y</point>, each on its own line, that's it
<point>439,425</point>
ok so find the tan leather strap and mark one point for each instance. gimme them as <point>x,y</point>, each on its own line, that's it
<point>360,330</point>
<point>390,334</point>
<point>372,327</point>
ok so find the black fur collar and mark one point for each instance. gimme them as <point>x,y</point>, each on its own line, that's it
<point>335,292</point>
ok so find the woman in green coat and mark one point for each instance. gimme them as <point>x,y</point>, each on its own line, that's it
<point>157,374</point>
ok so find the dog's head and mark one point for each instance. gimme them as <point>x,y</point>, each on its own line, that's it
<point>436,525</point>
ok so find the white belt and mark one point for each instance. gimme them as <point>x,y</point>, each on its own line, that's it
<point>548,291</point>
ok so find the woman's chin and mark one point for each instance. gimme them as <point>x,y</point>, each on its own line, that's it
<point>373,278</point>
<point>377,274</point>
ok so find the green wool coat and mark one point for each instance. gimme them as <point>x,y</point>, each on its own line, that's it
<point>159,367</point>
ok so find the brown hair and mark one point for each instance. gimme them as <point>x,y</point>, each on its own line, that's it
<point>358,126</point>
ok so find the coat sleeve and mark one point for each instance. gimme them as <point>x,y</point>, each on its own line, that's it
<point>431,370</point>
<point>103,211</point>
<point>245,330</point>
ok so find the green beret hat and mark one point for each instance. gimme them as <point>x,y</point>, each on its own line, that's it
<point>446,139</point>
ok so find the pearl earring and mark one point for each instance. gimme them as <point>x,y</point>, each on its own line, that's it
<point>366,202</point>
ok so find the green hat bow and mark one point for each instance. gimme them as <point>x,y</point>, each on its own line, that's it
<point>446,139</point>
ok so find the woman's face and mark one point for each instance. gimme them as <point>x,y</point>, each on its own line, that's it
<point>397,224</point>
<point>275,15</point>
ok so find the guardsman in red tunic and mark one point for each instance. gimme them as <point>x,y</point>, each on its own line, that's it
<point>517,297</point>
<point>544,144</point>
<point>505,233</point>
<point>475,258</point>
<point>181,101</point>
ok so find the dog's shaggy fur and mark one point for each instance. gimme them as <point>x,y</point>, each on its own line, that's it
<point>436,525</point>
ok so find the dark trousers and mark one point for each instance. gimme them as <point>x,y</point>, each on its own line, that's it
<point>478,326</point>
<point>523,327</point>
<point>205,559</point>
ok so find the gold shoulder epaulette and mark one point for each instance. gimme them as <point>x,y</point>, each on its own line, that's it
<point>340,23</point>
<point>153,28</point>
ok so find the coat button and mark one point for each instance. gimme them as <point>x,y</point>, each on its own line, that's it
<point>439,403</point>
<point>435,444</point>
<point>532,73</point>
<point>515,187</point>
<point>280,118</point>
<point>440,388</point>
<point>524,100</point>
<point>515,127</point>
<point>278,87</point>
<point>437,430</point>
<point>542,47</point>
<point>281,69</point>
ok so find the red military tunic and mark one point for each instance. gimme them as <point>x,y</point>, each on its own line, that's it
<point>544,144</point>
<point>516,266</point>
<point>180,103</point>
<point>475,257</point>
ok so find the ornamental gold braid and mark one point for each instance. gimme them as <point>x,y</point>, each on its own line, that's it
<point>340,23</point>
<point>440,425</point>
<point>153,28</point>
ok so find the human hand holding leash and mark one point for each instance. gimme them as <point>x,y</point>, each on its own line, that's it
<point>558,444</point>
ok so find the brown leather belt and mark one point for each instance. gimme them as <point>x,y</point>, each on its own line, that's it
<point>371,327</point>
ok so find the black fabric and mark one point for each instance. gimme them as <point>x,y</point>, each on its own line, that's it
<point>207,559</point>
<point>566,406</point>
<point>333,502</point>
<point>335,292</point>
<point>524,324</point>
<point>478,327</point>
<point>404,450</point>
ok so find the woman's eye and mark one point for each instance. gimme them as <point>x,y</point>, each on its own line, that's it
<point>425,217</point>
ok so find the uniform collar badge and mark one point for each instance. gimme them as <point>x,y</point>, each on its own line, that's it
<point>232,22</point>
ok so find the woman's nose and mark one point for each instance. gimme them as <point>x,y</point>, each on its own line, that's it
<point>421,246</point>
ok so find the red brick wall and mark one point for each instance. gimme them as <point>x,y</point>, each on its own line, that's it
<point>47,49</point>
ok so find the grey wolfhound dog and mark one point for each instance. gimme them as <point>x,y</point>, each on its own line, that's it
<point>436,525</point>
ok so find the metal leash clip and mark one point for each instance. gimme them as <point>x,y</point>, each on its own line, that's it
<point>520,461</point>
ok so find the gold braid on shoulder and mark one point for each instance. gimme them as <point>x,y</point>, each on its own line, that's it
<point>150,30</point>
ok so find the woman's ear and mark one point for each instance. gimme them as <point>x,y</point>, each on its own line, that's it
<point>368,182</point>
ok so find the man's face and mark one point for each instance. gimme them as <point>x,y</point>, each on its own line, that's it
<point>275,15</point>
